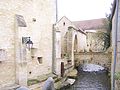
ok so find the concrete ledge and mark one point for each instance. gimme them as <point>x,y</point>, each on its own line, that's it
<point>58,81</point>
<point>42,79</point>
<point>37,86</point>
<point>72,74</point>
<point>10,87</point>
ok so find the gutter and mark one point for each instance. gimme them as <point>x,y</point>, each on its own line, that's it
<point>115,49</point>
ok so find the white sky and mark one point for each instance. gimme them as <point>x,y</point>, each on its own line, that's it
<point>77,10</point>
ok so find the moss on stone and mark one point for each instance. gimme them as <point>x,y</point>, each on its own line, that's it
<point>117,76</point>
<point>32,81</point>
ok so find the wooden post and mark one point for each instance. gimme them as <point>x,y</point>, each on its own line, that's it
<point>62,69</point>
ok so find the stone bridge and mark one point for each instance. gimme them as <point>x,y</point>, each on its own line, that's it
<point>99,58</point>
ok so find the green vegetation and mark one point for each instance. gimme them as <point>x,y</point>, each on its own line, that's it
<point>101,40</point>
<point>108,27</point>
<point>67,55</point>
<point>32,81</point>
<point>106,40</point>
<point>117,76</point>
<point>108,22</point>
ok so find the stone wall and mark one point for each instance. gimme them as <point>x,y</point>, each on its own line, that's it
<point>21,64</point>
<point>98,41</point>
<point>69,39</point>
<point>115,48</point>
<point>82,43</point>
<point>103,59</point>
<point>65,26</point>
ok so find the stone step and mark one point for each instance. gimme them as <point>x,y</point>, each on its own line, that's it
<point>10,87</point>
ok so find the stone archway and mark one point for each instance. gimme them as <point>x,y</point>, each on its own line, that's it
<point>67,45</point>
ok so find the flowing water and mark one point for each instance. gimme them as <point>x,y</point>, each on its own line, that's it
<point>90,81</point>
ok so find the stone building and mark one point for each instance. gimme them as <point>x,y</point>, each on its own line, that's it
<point>115,67</point>
<point>69,39</point>
<point>19,20</point>
<point>97,33</point>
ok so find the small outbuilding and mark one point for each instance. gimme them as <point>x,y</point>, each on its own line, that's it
<point>69,40</point>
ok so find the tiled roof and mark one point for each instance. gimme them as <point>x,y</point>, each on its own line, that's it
<point>90,24</point>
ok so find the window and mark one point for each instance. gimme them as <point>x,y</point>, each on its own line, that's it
<point>63,23</point>
<point>39,59</point>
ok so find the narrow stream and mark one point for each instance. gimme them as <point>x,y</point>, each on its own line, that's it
<point>90,81</point>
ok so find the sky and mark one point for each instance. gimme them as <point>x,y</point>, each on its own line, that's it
<point>77,10</point>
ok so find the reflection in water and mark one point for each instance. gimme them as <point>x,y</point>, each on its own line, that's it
<point>90,81</point>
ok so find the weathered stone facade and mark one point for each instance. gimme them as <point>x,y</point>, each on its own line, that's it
<point>97,34</point>
<point>20,64</point>
<point>69,39</point>
<point>98,58</point>
<point>96,41</point>
<point>115,67</point>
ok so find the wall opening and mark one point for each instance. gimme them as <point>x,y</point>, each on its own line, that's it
<point>75,44</point>
<point>39,60</point>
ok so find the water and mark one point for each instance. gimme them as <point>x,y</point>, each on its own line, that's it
<point>90,81</point>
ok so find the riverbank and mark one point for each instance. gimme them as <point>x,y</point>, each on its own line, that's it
<point>59,82</point>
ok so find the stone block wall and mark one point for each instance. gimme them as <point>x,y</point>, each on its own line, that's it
<point>82,44</point>
<point>7,41</point>
<point>39,16</point>
<point>103,59</point>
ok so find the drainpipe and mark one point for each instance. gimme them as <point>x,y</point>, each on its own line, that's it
<point>56,10</point>
<point>53,39</point>
<point>115,49</point>
<point>53,49</point>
